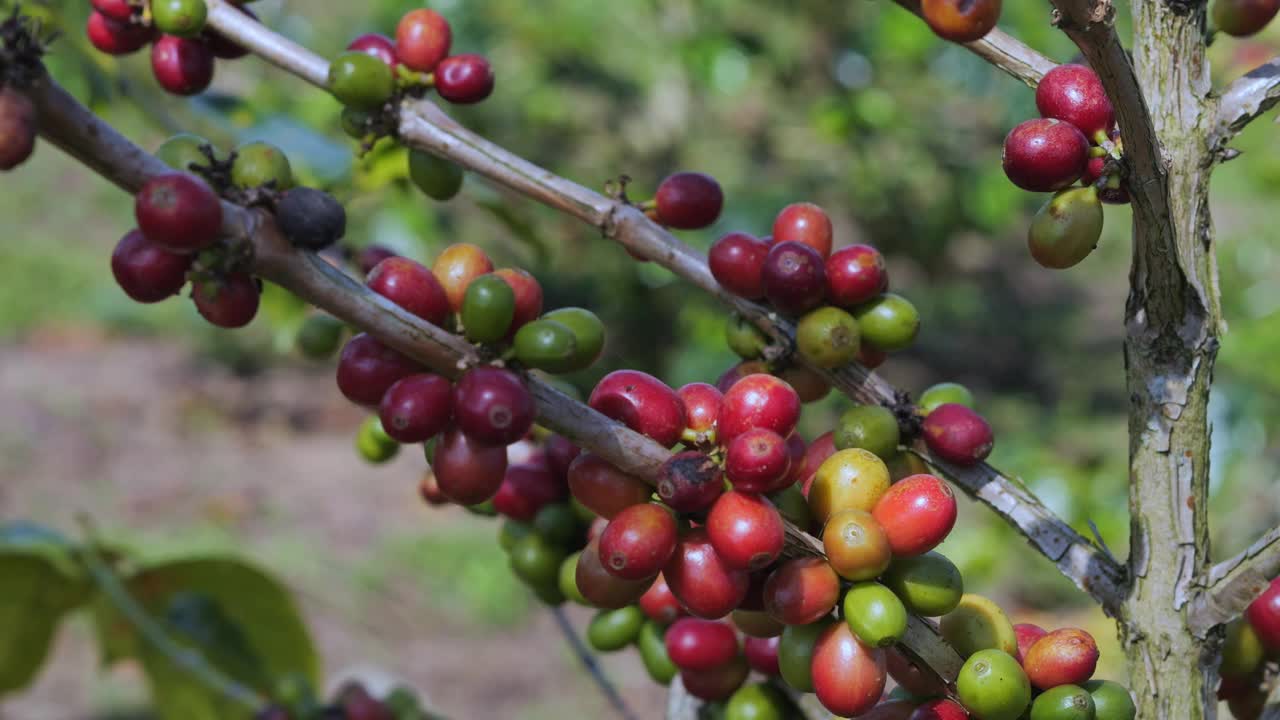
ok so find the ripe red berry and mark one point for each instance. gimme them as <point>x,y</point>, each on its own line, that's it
<point>429,490</point>
<point>423,38</point>
<point>801,591</point>
<point>525,490</point>
<point>412,286</point>
<point>560,455</point>
<point>492,405</point>
<point>468,472</point>
<point>871,357</point>
<point>743,369</point>
<point>1264,615</point>
<point>957,434</point>
<point>1063,657</point>
<point>758,461</point>
<point>719,683</point>
<point>367,369</point>
<point>697,644</point>
<point>762,654</point>
<point>377,45</point>
<point>229,301</point>
<point>178,211</point>
<point>700,579</point>
<point>641,402</point>
<point>464,79</point>
<point>1242,18</point>
<point>1027,634</point>
<point>115,36</point>
<point>855,274</point>
<point>1043,155</point>
<point>603,488</point>
<point>1074,94</point>
<point>222,46</point>
<point>690,481</point>
<point>602,588</point>
<point>794,277</point>
<point>916,514</point>
<point>115,9</point>
<point>182,66</point>
<point>848,677</point>
<point>638,541</point>
<point>758,401</point>
<point>961,21</point>
<point>369,256</point>
<point>737,263</point>
<point>804,223</point>
<point>797,448</point>
<point>659,604</point>
<point>745,530</point>
<point>147,272</point>
<point>942,709</point>
<point>416,408</point>
<point>528,296</point>
<point>18,128</point>
<point>701,408</point>
<point>814,455</point>
<point>688,200</point>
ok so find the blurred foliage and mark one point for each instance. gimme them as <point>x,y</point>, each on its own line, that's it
<point>855,106</point>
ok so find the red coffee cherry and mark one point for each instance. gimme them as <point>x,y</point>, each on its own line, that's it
<point>697,644</point>
<point>855,274</point>
<point>848,677</point>
<point>942,709</point>
<point>525,490</point>
<point>223,47</point>
<point>700,579</point>
<point>958,435</point>
<point>690,481</point>
<point>794,277</point>
<point>739,371</point>
<point>115,9</point>
<point>804,223</point>
<point>368,257</point>
<point>801,591</point>
<point>1264,615</point>
<point>961,21</point>
<point>229,302</point>
<point>809,385</point>
<point>416,408</point>
<point>412,286</point>
<point>560,455</point>
<point>603,488</point>
<point>147,272</point>
<point>758,401</point>
<point>1027,634</point>
<point>600,587</point>
<point>688,200</point>
<point>182,66</point>
<point>814,455</point>
<point>737,263</point>
<point>377,45</point>
<point>718,683</point>
<point>467,472</point>
<point>745,530</point>
<point>1242,18</point>
<point>916,514</point>
<point>659,604</point>
<point>464,79</point>
<point>1044,155</point>
<point>871,357</point>
<point>528,296</point>
<point>638,541</point>
<point>641,402</point>
<point>367,369</point>
<point>1063,657</point>
<point>796,448</point>
<point>114,36</point>
<point>758,461</point>
<point>701,409</point>
<point>762,654</point>
<point>18,128</point>
<point>1074,94</point>
<point>178,211</point>
<point>492,405</point>
<point>423,38</point>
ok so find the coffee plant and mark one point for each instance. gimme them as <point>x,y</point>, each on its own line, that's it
<point>757,574</point>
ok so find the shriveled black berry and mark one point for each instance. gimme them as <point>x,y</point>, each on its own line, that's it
<point>311,218</point>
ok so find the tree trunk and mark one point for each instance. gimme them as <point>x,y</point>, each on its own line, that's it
<point>1172,320</point>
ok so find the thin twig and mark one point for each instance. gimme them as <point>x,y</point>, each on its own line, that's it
<point>1234,583</point>
<point>591,665</point>
<point>424,126</point>
<point>190,660</point>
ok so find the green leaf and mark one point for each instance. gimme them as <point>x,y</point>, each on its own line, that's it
<point>240,619</point>
<point>38,593</point>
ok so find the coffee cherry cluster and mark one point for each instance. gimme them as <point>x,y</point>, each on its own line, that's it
<point>489,407</point>
<point>1074,139</point>
<point>1250,655</point>
<point>1243,18</point>
<point>183,50</point>
<point>374,67</point>
<point>296,700</point>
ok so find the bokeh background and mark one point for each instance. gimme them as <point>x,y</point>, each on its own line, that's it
<point>176,437</point>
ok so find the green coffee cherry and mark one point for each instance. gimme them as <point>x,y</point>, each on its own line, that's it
<point>546,345</point>
<point>828,337</point>
<point>870,427</point>
<point>943,393</point>
<point>993,686</point>
<point>360,81</point>
<point>929,585</point>
<point>258,164</point>
<point>874,614</point>
<point>319,336</point>
<point>1067,228</point>
<point>612,630</point>
<point>182,151</point>
<point>438,178</point>
<point>744,338</point>
<point>588,332</point>
<point>373,443</point>
<point>889,323</point>
<point>184,18</point>
<point>488,308</point>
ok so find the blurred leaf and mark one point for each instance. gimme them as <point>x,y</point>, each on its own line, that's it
<point>35,595</point>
